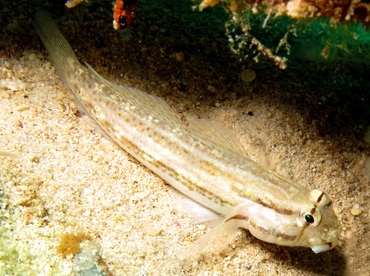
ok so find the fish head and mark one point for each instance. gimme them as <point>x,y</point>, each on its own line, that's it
<point>320,227</point>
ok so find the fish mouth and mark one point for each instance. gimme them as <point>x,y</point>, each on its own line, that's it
<point>322,247</point>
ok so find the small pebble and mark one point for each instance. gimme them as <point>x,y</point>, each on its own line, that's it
<point>356,210</point>
<point>211,88</point>
<point>248,75</point>
<point>151,230</point>
<point>23,108</point>
<point>180,57</point>
<point>32,57</point>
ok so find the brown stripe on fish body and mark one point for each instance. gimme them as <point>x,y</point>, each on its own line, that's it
<point>171,172</point>
<point>273,232</point>
<point>270,205</point>
<point>304,227</point>
<point>237,217</point>
<point>317,203</point>
<point>267,183</point>
<point>211,168</point>
<point>319,199</point>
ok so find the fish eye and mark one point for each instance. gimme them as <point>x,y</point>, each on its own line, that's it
<point>309,218</point>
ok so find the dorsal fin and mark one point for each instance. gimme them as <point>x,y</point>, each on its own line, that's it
<point>217,135</point>
<point>156,106</point>
<point>211,132</point>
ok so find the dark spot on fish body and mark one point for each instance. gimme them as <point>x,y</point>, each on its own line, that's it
<point>104,90</point>
<point>74,86</point>
<point>106,125</point>
<point>88,105</point>
<point>153,134</point>
<point>172,174</point>
<point>160,165</point>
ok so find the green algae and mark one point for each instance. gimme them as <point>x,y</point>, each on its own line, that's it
<point>282,38</point>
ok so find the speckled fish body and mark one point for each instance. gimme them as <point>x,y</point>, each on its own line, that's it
<point>198,158</point>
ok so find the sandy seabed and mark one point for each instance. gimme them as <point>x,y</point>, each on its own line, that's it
<point>59,175</point>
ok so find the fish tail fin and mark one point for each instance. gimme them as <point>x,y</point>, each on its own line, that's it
<point>58,47</point>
